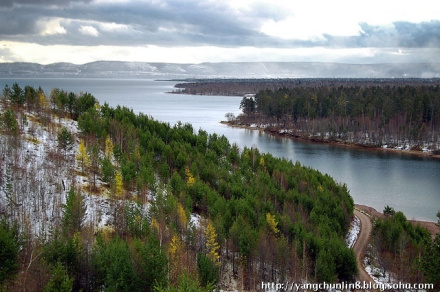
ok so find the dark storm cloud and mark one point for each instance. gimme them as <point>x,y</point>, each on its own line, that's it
<point>10,3</point>
<point>16,25</point>
<point>175,23</point>
<point>184,23</point>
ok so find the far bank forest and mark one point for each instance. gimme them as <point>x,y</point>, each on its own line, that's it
<point>369,112</point>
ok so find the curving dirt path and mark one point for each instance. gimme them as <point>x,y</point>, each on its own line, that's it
<point>361,245</point>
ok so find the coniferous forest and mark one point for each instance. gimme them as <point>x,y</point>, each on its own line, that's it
<point>122,202</point>
<point>373,115</point>
<point>402,113</point>
<point>184,209</point>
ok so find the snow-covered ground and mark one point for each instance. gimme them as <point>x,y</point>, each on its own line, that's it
<point>353,232</point>
<point>37,176</point>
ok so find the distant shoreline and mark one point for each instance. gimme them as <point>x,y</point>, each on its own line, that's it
<point>336,143</point>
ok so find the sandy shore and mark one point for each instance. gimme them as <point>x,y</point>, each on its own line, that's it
<point>431,226</point>
<point>335,143</point>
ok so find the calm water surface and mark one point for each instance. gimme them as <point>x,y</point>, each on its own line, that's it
<point>375,178</point>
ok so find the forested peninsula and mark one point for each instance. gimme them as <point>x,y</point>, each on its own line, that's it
<point>95,197</point>
<point>388,113</point>
<point>100,198</point>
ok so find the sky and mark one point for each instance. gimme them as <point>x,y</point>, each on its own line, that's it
<point>196,31</point>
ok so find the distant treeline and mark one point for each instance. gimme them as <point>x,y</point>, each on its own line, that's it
<point>368,115</point>
<point>240,87</point>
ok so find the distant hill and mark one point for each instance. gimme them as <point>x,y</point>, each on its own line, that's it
<point>116,69</point>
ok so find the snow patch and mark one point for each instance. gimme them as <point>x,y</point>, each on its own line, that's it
<point>353,233</point>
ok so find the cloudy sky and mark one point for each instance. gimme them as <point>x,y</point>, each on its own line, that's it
<point>194,31</point>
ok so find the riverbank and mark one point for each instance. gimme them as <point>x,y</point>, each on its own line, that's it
<point>315,140</point>
<point>430,226</point>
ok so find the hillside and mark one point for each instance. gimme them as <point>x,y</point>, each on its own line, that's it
<point>95,190</point>
<point>99,198</point>
<point>113,69</point>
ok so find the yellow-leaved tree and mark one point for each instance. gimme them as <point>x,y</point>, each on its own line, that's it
<point>262,163</point>
<point>108,148</point>
<point>154,225</point>
<point>182,218</point>
<point>44,104</point>
<point>272,223</point>
<point>82,157</point>
<point>119,184</point>
<point>175,252</point>
<point>190,180</point>
<point>212,245</point>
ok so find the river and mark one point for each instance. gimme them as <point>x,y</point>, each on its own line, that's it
<point>375,178</point>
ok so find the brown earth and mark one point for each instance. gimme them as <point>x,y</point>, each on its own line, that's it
<point>361,245</point>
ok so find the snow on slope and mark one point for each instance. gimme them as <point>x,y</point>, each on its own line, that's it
<point>35,177</point>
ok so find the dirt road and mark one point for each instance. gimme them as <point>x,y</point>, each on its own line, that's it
<point>361,245</point>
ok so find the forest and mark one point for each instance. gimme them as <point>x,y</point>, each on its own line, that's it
<point>405,116</point>
<point>403,251</point>
<point>240,87</point>
<point>98,198</point>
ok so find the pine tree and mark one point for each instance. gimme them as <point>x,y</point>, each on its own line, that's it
<point>9,251</point>
<point>208,271</point>
<point>107,170</point>
<point>59,281</point>
<point>73,213</point>
<point>65,139</point>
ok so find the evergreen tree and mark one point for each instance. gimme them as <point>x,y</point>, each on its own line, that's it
<point>16,96</point>
<point>59,281</point>
<point>9,251</point>
<point>208,270</point>
<point>9,122</point>
<point>73,213</point>
<point>113,264</point>
<point>107,170</point>
<point>153,264</point>
<point>65,139</point>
